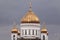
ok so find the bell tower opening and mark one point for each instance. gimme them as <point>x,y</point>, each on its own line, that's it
<point>43,37</point>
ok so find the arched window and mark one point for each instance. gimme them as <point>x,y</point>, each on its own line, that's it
<point>13,37</point>
<point>43,37</point>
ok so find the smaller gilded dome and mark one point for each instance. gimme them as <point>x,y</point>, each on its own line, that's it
<point>14,30</point>
<point>44,30</point>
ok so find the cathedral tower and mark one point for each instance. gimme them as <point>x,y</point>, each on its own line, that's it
<point>14,32</point>
<point>44,33</point>
<point>30,25</point>
<point>29,28</point>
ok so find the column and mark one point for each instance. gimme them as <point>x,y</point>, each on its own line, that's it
<point>27,32</point>
<point>22,32</point>
<point>31,31</point>
<point>34,32</point>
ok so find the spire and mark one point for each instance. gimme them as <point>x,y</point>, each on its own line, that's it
<point>30,6</point>
<point>14,24</point>
<point>44,25</point>
<point>14,29</point>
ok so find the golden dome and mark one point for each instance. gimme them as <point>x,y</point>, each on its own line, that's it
<point>44,30</point>
<point>14,30</point>
<point>30,17</point>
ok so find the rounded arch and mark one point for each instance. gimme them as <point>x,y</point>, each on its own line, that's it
<point>43,37</point>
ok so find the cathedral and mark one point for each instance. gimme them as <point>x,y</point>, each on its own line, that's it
<point>30,28</point>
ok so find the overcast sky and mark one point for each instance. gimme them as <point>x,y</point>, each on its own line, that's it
<point>13,10</point>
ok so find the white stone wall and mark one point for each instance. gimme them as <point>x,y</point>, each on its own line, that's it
<point>31,27</point>
<point>18,36</point>
<point>46,36</point>
<point>14,37</point>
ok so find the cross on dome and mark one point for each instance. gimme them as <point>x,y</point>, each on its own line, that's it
<point>30,6</point>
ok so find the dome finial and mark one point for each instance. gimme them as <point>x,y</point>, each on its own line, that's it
<point>14,30</point>
<point>14,24</point>
<point>30,6</point>
<point>44,25</point>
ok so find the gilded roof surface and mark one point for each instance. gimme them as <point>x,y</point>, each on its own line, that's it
<point>14,28</point>
<point>30,17</point>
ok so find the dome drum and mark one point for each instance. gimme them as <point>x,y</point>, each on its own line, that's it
<point>43,31</point>
<point>30,22</point>
<point>14,32</point>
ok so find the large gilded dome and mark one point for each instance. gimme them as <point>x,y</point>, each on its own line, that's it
<point>30,17</point>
